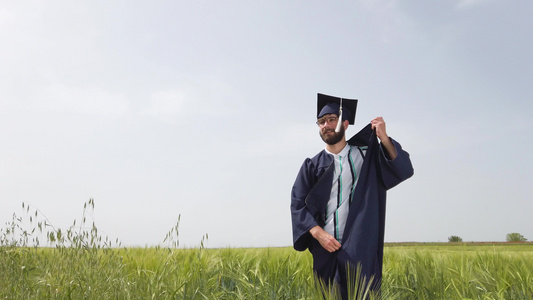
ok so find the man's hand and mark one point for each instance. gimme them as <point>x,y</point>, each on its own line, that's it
<point>378,124</point>
<point>325,239</point>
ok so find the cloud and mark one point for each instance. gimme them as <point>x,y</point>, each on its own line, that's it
<point>95,101</point>
<point>465,4</point>
<point>165,104</point>
<point>299,138</point>
<point>210,97</point>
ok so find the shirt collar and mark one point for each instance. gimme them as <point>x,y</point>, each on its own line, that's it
<point>343,152</point>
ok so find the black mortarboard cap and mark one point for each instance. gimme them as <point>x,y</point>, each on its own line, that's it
<point>332,105</point>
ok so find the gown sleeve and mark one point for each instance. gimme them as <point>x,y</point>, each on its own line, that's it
<point>302,219</point>
<point>397,170</point>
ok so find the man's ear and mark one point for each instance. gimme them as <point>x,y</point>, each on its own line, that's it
<point>345,124</point>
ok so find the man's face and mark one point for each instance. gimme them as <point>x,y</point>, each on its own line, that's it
<point>327,125</point>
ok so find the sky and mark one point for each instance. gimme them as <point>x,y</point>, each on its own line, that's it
<point>205,110</point>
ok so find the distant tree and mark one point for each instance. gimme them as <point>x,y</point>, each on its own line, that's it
<point>515,237</point>
<point>455,239</point>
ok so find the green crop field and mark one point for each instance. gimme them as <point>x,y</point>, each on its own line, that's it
<point>79,264</point>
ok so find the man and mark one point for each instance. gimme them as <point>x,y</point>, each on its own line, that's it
<point>338,198</point>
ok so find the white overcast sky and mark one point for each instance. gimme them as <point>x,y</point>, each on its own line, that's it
<point>207,109</point>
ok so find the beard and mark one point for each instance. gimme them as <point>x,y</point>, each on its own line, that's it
<point>332,139</point>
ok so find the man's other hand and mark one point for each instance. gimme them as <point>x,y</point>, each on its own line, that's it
<point>325,239</point>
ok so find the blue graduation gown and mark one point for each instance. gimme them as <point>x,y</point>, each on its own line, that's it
<point>362,242</point>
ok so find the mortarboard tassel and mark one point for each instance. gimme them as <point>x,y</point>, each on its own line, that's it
<point>339,122</point>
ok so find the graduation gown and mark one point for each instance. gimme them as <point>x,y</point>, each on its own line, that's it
<point>362,242</point>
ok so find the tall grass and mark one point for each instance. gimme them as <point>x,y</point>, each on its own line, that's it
<point>489,272</point>
<point>39,261</point>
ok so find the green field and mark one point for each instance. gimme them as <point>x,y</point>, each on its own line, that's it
<point>422,271</point>
<point>79,264</point>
